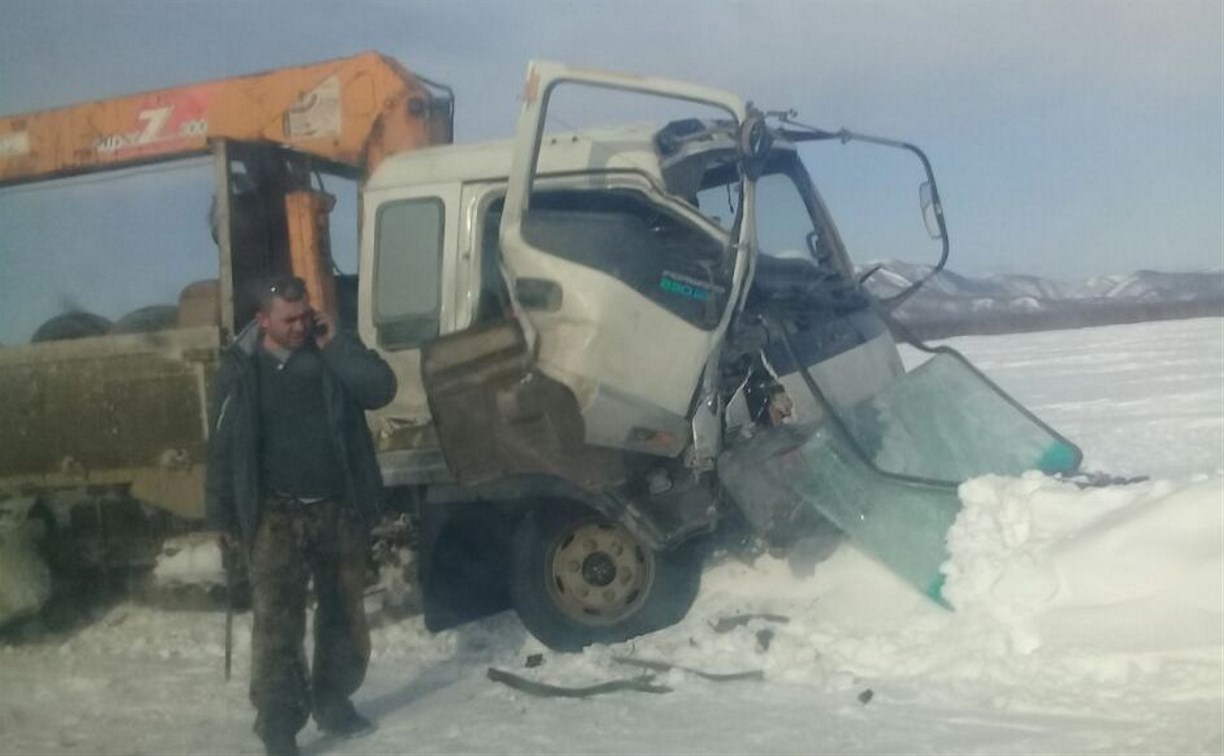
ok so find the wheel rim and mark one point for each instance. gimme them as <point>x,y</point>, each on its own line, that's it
<point>599,574</point>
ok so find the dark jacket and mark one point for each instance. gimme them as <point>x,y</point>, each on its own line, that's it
<point>355,379</point>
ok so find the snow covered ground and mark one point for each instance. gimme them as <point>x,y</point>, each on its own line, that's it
<point>1087,621</point>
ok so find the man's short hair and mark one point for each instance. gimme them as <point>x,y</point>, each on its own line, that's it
<point>288,288</point>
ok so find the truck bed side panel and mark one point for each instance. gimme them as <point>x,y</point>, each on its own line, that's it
<point>126,409</point>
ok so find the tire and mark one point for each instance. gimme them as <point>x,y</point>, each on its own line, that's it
<point>580,578</point>
<point>147,320</point>
<point>71,325</point>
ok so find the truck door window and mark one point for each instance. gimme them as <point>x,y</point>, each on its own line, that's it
<point>621,233</point>
<point>408,272</point>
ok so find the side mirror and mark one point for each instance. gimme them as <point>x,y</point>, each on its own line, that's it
<point>932,213</point>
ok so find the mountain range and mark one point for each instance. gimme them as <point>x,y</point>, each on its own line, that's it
<point>952,304</point>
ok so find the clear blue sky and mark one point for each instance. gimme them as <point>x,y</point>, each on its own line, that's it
<point>1070,139</point>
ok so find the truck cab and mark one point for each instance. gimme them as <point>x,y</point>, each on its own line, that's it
<point>581,324</point>
<point>433,266</point>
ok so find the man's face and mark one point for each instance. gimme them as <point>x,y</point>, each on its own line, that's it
<point>287,324</point>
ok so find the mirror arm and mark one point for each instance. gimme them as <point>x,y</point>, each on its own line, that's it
<point>895,301</point>
<point>808,133</point>
<point>845,135</point>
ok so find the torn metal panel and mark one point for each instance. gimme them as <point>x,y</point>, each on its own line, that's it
<point>497,418</point>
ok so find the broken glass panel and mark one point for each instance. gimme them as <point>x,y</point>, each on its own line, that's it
<point>945,421</point>
<point>887,476</point>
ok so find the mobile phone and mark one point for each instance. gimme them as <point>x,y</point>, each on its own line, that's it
<point>314,327</point>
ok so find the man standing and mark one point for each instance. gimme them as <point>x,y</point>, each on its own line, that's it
<point>293,476</point>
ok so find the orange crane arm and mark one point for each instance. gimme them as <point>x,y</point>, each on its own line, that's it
<point>354,111</point>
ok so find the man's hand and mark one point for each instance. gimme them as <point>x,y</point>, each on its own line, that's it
<point>324,329</point>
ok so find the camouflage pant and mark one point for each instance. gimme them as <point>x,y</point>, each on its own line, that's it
<point>293,543</point>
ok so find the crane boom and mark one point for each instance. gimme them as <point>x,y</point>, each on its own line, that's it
<point>351,111</point>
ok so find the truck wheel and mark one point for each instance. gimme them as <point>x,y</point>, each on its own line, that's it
<point>580,578</point>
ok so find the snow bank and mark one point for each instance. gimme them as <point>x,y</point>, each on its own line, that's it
<point>1136,568</point>
<point>193,559</point>
<point>1067,599</point>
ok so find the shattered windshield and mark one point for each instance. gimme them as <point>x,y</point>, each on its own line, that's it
<point>784,222</point>
<point>701,164</point>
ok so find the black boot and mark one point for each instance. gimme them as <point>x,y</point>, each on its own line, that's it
<point>280,743</point>
<point>342,720</point>
<point>278,733</point>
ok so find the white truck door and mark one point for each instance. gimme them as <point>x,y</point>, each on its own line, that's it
<point>607,328</point>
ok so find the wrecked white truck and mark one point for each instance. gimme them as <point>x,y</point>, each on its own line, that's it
<point>605,355</point>
<point>663,370</point>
